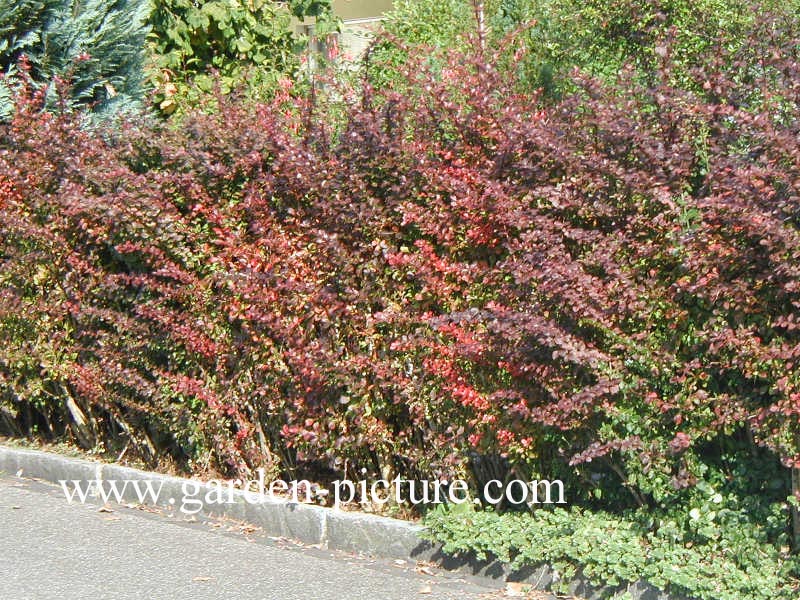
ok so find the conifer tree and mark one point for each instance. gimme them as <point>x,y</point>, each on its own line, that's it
<point>97,46</point>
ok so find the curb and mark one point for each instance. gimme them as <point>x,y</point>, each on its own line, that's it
<point>309,524</point>
<point>381,537</point>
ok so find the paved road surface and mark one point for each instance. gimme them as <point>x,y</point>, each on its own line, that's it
<point>52,550</point>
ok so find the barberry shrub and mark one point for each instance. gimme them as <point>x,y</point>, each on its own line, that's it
<point>601,287</point>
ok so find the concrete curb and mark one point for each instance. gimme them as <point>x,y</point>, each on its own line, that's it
<point>381,537</point>
<point>306,523</point>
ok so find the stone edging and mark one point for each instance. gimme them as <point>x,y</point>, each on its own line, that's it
<point>381,537</point>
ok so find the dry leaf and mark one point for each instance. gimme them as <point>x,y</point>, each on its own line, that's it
<point>516,589</point>
<point>201,578</point>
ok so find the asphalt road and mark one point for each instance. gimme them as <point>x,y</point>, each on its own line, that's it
<point>52,550</point>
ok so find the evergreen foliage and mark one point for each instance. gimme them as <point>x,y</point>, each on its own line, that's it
<point>97,46</point>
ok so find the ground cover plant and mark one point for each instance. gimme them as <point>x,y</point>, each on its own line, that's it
<point>459,274</point>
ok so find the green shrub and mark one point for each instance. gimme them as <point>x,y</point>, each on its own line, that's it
<point>597,36</point>
<point>248,44</point>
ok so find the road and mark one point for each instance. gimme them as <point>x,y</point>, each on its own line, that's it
<point>51,549</point>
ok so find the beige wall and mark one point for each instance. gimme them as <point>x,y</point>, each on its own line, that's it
<point>360,9</point>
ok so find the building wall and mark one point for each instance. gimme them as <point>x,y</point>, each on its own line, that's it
<point>361,9</point>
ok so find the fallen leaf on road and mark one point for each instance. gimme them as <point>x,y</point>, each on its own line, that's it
<point>201,578</point>
<point>105,509</point>
<point>517,590</point>
<point>425,570</point>
<point>150,509</point>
